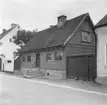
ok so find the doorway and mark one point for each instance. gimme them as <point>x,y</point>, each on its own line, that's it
<point>37,60</point>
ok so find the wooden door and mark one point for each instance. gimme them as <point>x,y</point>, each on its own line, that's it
<point>77,67</point>
<point>37,60</point>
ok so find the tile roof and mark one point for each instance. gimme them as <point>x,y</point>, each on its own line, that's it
<point>54,36</point>
<point>6,32</point>
<point>102,22</point>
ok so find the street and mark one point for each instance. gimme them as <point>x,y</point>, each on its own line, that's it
<point>19,91</point>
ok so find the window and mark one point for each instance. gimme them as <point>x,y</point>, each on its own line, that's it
<point>49,56</point>
<point>58,56</point>
<point>18,27</point>
<point>23,58</point>
<point>29,58</point>
<point>10,40</point>
<point>9,61</point>
<point>86,36</point>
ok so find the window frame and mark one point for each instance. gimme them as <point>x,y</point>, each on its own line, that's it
<point>61,54</point>
<point>48,53</point>
<point>9,61</point>
<point>29,59</point>
<point>86,37</point>
<point>10,40</point>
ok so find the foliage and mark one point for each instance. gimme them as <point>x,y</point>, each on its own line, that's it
<point>23,37</point>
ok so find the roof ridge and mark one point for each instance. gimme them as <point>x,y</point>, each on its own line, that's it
<point>101,21</point>
<point>5,33</point>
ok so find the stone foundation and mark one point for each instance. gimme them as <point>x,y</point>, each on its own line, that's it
<point>57,74</point>
<point>48,73</point>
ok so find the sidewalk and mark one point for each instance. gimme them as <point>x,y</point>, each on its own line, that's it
<point>102,80</point>
<point>100,85</point>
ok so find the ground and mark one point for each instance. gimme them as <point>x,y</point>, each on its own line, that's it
<point>19,91</point>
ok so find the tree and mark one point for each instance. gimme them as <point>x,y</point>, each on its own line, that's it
<point>22,38</point>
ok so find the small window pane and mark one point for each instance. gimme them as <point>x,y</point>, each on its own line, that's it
<point>83,36</point>
<point>89,37</point>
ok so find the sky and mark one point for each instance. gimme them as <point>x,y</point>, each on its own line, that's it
<point>40,14</point>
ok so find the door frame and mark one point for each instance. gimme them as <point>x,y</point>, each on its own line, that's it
<point>37,60</point>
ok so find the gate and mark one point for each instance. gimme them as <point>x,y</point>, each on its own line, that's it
<point>82,67</point>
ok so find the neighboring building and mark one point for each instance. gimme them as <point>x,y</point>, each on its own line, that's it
<point>66,50</point>
<point>7,48</point>
<point>101,32</point>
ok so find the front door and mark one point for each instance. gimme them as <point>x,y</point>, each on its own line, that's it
<point>77,67</point>
<point>37,60</point>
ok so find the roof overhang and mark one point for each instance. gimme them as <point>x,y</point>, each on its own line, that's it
<point>101,25</point>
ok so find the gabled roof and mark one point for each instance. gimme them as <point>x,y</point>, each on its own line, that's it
<point>6,32</point>
<point>55,36</point>
<point>102,22</point>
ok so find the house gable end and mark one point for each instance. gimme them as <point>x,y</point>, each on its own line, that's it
<point>87,25</point>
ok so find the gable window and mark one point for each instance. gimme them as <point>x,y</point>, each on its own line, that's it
<point>49,56</point>
<point>86,36</point>
<point>23,58</point>
<point>58,56</point>
<point>29,58</point>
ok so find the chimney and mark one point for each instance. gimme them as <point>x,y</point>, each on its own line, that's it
<point>13,25</point>
<point>61,20</point>
<point>4,30</point>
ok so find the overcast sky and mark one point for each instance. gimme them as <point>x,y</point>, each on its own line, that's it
<point>40,14</point>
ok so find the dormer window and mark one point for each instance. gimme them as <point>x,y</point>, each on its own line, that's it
<point>86,36</point>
